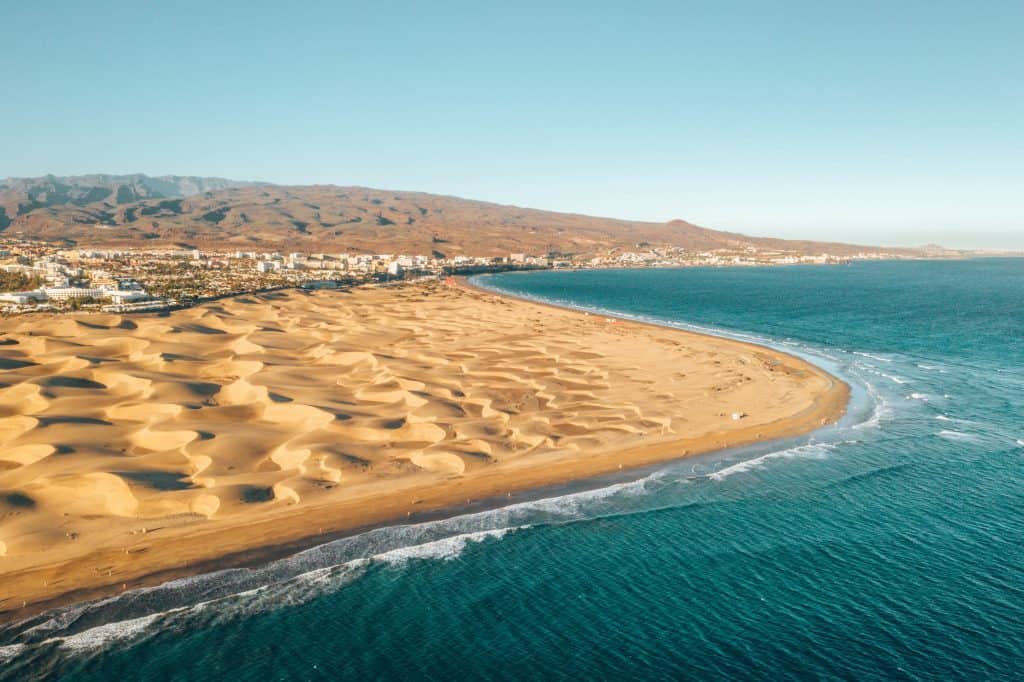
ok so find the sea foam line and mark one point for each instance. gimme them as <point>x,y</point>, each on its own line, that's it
<point>445,548</point>
<point>873,357</point>
<point>298,589</point>
<point>808,450</point>
<point>9,652</point>
<point>949,434</point>
<point>880,411</point>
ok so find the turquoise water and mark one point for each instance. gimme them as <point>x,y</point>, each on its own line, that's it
<point>888,547</point>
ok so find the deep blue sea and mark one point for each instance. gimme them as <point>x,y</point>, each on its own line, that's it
<point>888,547</point>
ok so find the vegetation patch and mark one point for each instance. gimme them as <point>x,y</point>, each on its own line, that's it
<point>19,281</point>
<point>215,216</point>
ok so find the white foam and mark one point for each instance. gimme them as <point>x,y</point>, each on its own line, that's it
<point>873,357</point>
<point>918,396</point>
<point>949,434</point>
<point>871,422</point>
<point>109,633</point>
<point>881,408</point>
<point>1020,442</point>
<point>9,652</point>
<point>293,591</point>
<point>445,549</point>
<point>296,590</point>
<point>957,420</point>
<point>892,377</point>
<point>63,618</point>
<point>573,504</point>
<point>810,451</point>
<point>103,636</point>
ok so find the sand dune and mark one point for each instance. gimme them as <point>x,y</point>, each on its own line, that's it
<point>135,445</point>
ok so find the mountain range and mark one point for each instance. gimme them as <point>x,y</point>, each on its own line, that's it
<point>187,211</point>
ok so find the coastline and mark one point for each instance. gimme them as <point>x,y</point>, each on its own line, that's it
<point>256,541</point>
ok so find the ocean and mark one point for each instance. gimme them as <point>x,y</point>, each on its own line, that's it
<point>889,546</point>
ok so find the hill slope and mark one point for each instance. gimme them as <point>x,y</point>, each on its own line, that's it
<point>212,212</point>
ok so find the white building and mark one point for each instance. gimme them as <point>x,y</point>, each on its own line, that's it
<point>69,293</point>
<point>122,296</point>
<point>23,297</point>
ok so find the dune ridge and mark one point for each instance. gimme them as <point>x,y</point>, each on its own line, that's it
<point>133,452</point>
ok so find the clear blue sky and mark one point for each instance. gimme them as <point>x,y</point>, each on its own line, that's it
<point>885,122</point>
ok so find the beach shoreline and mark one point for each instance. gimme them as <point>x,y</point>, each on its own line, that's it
<point>195,549</point>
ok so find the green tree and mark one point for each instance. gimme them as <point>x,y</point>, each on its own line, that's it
<point>19,281</point>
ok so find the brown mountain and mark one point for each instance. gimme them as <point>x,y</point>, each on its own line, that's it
<point>104,210</point>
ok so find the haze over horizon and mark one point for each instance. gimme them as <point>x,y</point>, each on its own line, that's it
<point>875,124</point>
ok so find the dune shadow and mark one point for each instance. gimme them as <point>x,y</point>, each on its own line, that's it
<point>157,480</point>
<point>50,421</point>
<point>356,460</point>
<point>93,360</point>
<point>171,357</point>
<point>72,382</point>
<point>197,329</point>
<point>91,325</point>
<point>253,494</point>
<point>18,500</point>
<point>204,388</point>
<point>11,363</point>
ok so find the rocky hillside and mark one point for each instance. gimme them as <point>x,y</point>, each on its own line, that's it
<point>138,210</point>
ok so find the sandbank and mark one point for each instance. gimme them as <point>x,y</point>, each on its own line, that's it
<point>135,449</point>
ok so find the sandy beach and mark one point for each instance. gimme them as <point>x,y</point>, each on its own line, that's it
<point>134,449</point>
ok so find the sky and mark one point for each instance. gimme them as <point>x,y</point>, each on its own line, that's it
<point>871,122</point>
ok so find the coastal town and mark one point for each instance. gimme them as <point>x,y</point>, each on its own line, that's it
<point>40,276</point>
